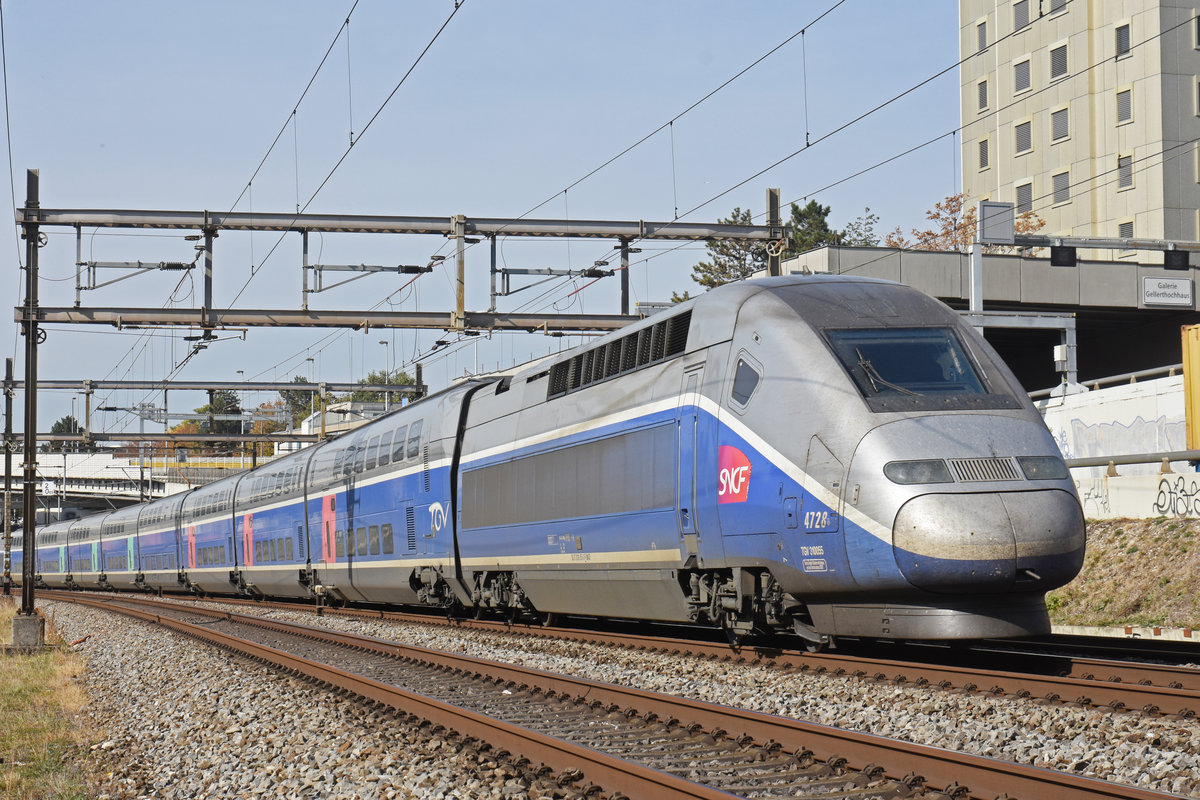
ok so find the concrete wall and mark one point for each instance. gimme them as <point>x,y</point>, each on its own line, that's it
<point>1143,417</point>
<point>1006,278</point>
<point>1140,496</point>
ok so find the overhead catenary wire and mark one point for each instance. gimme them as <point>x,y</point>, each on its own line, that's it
<point>248,188</point>
<point>681,114</point>
<point>12,184</point>
<point>457,7</point>
<point>296,105</point>
<point>894,99</point>
<point>962,129</point>
<point>634,145</point>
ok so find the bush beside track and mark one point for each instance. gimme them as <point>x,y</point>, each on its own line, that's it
<point>1136,572</point>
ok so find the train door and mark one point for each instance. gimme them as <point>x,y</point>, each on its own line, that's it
<point>822,546</point>
<point>688,420</point>
<point>327,531</point>
<point>821,511</point>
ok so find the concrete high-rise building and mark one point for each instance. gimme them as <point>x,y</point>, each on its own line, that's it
<point>1086,112</point>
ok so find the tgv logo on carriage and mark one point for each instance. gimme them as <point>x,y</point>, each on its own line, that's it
<point>733,479</point>
<point>437,517</point>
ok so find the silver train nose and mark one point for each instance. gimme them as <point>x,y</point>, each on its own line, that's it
<point>988,542</point>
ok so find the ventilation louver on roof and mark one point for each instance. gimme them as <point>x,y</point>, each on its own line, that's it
<point>650,345</point>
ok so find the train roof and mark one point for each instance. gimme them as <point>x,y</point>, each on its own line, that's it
<point>714,313</point>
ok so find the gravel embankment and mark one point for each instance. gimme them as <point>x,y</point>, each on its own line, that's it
<point>297,734</point>
<point>185,721</point>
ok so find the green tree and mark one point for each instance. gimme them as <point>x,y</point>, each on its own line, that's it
<point>224,401</point>
<point>810,228</point>
<point>377,379</point>
<point>861,232</point>
<point>300,403</point>
<point>67,424</point>
<point>729,260</point>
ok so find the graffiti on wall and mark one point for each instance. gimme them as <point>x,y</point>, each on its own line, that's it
<point>1140,436</point>
<point>1178,496</point>
<point>1093,494</point>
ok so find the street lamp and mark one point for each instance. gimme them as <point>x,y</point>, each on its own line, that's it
<point>242,411</point>
<point>387,374</point>
<point>312,396</point>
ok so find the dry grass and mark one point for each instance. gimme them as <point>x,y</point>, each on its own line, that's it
<point>1139,572</point>
<point>42,737</point>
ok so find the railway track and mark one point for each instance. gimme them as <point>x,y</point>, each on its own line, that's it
<point>1011,670</point>
<point>624,741</point>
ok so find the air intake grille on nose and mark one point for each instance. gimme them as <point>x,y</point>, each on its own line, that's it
<point>984,469</point>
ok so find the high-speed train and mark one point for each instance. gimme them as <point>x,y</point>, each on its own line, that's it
<point>829,455</point>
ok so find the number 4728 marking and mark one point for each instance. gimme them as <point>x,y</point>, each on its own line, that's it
<point>816,519</point>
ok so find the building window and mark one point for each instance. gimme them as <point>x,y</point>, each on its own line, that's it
<point>1062,188</point>
<point>1196,27</point>
<point>1025,198</point>
<point>983,153</point>
<point>1021,76</point>
<point>981,35</point>
<point>1020,14</point>
<point>983,98</point>
<point>1058,62</point>
<point>1057,6</point>
<point>1122,40</point>
<point>1124,172</point>
<point>1024,137</point>
<point>1125,106</point>
<point>1060,127</point>
<point>1125,230</point>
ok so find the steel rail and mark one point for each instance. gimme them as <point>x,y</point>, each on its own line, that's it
<point>613,774</point>
<point>978,776</point>
<point>1103,682</point>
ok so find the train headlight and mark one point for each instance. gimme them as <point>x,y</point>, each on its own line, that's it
<point>1043,468</point>
<point>906,472</point>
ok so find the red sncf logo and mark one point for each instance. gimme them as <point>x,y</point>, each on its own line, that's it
<point>733,481</point>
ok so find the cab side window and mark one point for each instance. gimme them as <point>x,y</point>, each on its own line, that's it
<point>745,380</point>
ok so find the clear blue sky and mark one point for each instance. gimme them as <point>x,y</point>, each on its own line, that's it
<point>151,105</point>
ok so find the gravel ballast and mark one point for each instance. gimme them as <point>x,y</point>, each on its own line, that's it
<point>1131,748</point>
<point>182,720</point>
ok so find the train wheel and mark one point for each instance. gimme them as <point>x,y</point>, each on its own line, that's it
<point>549,620</point>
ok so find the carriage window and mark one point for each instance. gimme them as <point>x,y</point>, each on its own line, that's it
<point>360,458</point>
<point>398,447</point>
<point>341,544</point>
<point>361,534</point>
<point>385,449</point>
<point>372,453</point>
<point>906,362</point>
<point>745,381</point>
<point>414,439</point>
<point>389,544</point>
<point>374,536</point>
<point>290,551</point>
<point>271,550</point>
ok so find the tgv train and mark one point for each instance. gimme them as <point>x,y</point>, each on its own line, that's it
<point>823,454</point>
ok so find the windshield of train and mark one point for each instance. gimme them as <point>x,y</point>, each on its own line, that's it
<point>911,362</point>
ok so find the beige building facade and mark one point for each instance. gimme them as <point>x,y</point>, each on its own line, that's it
<point>1085,112</point>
